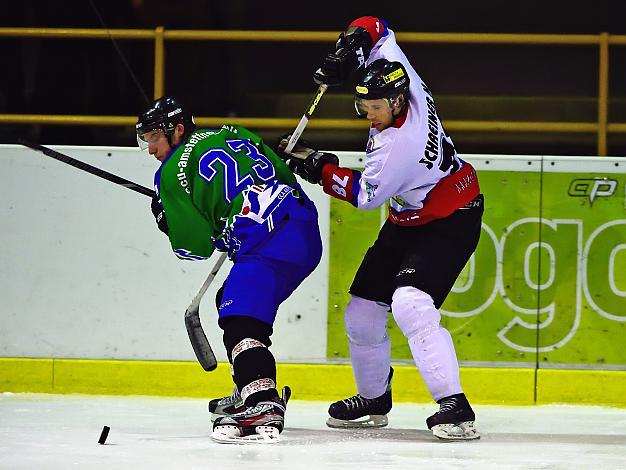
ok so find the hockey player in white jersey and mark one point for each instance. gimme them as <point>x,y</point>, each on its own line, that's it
<point>434,223</point>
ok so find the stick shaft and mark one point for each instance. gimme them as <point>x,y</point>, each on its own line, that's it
<point>195,303</point>
<point>89,168</point>
<point>199,342</point>
<point>305,118</point>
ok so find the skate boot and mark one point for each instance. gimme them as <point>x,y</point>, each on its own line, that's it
<point>226,406</point>
<point>455,419</point>
<point>259,423</point>
<point>361,412</point>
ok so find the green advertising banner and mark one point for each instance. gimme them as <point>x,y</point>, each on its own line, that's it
<point>547,284</point>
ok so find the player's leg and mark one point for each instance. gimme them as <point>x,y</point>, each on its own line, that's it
<point>258,283</point>
<point>246,315</point>
<point>424,281</point>
<point>232,403</point>
<point>370,349</point>
<point>433,351</point>
<point>370,353</point>
<point>294,250</point>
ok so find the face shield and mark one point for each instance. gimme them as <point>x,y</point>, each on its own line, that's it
<point>363,106</point>
<point>147,137</point>
<point>360,107</point>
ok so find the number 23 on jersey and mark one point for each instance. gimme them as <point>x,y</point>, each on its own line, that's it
<point>212,160</point>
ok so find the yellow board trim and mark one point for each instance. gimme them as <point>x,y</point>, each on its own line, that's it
<point>585,387</point>
<point>323,382</point>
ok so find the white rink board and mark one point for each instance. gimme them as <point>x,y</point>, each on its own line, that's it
<point>85,273</point>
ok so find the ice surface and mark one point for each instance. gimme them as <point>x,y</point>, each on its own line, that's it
<point>61,431</point>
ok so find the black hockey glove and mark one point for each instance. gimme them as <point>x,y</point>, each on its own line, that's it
<point>283,140</point>
<point>304,160</point>
<point>159,214</point>
<point>351,51</point>
<point>310,168</point>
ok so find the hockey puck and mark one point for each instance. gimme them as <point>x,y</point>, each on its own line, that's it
<point>103,435</point>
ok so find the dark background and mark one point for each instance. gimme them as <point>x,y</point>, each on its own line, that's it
<point>470,82</point>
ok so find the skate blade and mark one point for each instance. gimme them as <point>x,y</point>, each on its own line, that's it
<point>370,421</point>
<point>232,435</point>
<point>456,432</point>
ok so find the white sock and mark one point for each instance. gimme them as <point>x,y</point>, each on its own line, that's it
<point>370,348</point>
<point>431,345</point>
<point>370,364</point>
<point>436,360</point>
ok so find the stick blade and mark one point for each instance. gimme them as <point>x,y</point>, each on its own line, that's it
<point>198,339</point>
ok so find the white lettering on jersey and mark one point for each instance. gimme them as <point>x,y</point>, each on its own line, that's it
<point>340,187</point>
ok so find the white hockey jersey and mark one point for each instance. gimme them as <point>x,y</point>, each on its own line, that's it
<point>405,162</point>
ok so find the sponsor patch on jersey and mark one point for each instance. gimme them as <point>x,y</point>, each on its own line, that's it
<point>371,191</point>
<point>370,145</point>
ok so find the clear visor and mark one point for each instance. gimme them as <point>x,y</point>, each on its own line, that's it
<point>363,106</point>
<point>359,107</point>
<point>144,139</point>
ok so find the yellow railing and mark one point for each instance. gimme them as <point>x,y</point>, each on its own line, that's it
<point>159,35</point>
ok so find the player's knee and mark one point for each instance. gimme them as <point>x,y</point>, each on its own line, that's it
<point>414,311</point>
<point>366,321</point>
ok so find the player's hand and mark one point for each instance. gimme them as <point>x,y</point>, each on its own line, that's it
<point>351,51</point>
<point>310,168</point>
<point>301,150</point>
<point>159,215</point>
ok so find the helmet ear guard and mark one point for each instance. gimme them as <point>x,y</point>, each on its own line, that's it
<point>397,102</point>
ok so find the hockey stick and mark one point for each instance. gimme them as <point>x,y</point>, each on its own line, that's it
<point>88,168</point>
<point>305,118</point>
<point>198,339</point>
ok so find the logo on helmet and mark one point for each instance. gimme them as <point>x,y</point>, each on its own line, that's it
<point>360,56</point>
<point>361,89</point>
<point>399,83</point>
<point>393,76</point>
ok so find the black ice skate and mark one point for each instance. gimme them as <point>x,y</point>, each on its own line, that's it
<point>261,423</point>
<point>361,412</point>
<point>454,420</point>
<point>226,406</point>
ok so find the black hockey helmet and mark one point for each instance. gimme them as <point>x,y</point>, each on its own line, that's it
<point>165,114</point>
<point>382,79</point>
